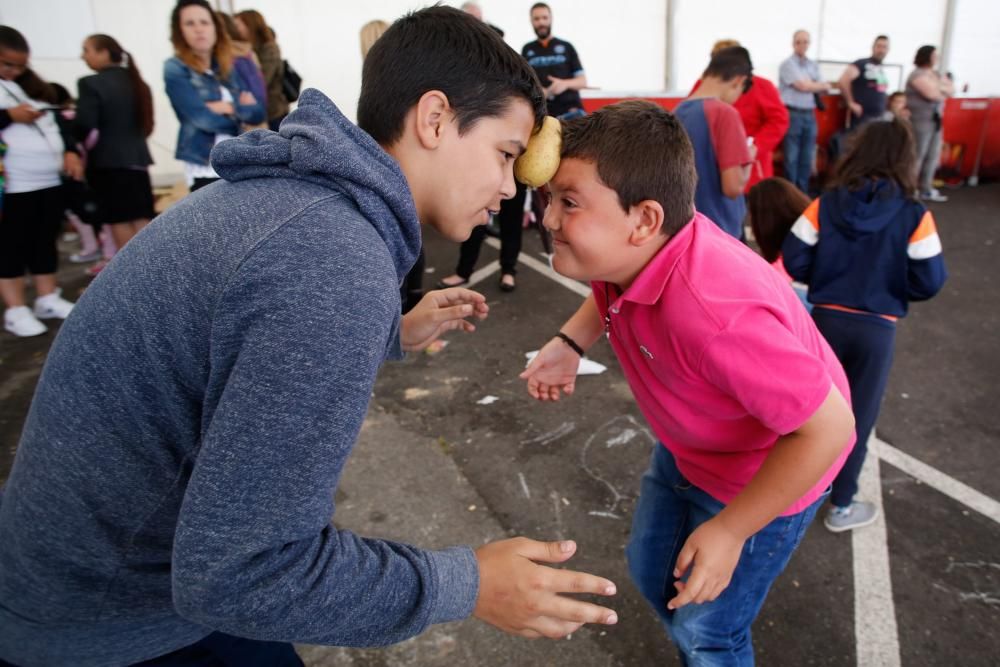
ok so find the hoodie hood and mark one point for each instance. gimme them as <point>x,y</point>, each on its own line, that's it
<point>866,210</point>
<point>316,143</point>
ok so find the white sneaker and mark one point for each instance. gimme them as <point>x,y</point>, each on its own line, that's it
<point>934,195</point>
<point>20,322</point>
<point>52,306</point>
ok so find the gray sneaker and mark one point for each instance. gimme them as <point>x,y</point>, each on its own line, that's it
<point>857,515</point>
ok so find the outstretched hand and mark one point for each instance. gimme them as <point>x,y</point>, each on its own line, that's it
<point>521,597</point>
<point>552,371</point>
<point>440,311</point>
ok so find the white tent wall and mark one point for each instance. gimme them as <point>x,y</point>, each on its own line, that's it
<point>623,45</point>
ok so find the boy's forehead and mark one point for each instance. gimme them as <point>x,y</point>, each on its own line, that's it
<point>575,173</point>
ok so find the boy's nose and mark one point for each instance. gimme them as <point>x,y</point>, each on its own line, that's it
<point>508,188</point>
<point>550,220</point>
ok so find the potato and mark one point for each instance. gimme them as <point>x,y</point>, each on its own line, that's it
<point>539,162</point>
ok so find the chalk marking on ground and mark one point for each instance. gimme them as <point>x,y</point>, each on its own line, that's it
<point>939,481</point>
<point>524,485</point>
<point>617,496</point>
<point>545,438</point>
<point>557,509</point>
<point>875,628</point>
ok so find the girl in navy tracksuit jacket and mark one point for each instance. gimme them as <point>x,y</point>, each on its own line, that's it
<point>866,248</point>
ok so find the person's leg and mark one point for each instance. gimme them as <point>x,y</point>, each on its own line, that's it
<point>468,255</point>
<point>43,253</point>
<point>14,247</point>
<point>791,146</point>
<point>412,289</point>
<point>931,161</point>
<point>668,511</point>
<point>199,183</point>
<point>122,233</point>
<point>221,650</point>
<point>89,250</point>
<point>922,134</point>
<point>864,346</point>
<point>108,246</point>
<point>807,152</point>
<point>511,228</point>
<point>718,633</point>
<point>659,529</point>
<point>12,292</point>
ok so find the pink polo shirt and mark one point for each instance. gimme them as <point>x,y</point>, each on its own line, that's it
<point>721,357</point>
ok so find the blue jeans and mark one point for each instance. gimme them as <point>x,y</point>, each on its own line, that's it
<point>799,146</point>
<point>669,510</point>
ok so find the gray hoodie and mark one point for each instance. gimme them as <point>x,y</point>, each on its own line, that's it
<point>177,469</point>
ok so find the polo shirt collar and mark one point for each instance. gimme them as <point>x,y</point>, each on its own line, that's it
<point>648,285</point>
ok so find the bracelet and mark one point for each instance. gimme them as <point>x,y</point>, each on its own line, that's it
<point>569,341</point>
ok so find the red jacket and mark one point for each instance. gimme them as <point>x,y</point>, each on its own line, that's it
<point>765,118</point>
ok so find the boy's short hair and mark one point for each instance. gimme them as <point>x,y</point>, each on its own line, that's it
<point>442,48</point>
<point>729,63</point>
<point>642,152</point>
<point>539,5</point>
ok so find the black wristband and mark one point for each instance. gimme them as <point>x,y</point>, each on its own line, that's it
<point>569,341</point>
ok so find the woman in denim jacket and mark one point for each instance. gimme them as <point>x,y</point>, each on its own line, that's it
<point>208,95</point>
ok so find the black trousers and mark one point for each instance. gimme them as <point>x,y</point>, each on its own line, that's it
<point>864,345</point>
<point>29,227</point>
<point>511,218</point>
<point>222,650</point>
<point>199,183</point>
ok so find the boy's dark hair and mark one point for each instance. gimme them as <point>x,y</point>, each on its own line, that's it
<point>729,64</point>
<point>892,98</point>
<point>923,57</point>
<point>442,48</point>
<point>774,204</point>
<point>885,37</point>
<point>642,152</point>
<point>33,85</point>
<point>539,5</point>
<point>880,150</point>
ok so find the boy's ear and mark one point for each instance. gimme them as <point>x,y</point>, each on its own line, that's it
<point>432,113</point>
<point>647,217</point>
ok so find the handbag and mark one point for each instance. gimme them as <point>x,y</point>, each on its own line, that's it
<point>82,200</point>
<point>291,82</point>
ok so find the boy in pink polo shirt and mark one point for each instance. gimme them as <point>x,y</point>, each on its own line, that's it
<point>748,400</point>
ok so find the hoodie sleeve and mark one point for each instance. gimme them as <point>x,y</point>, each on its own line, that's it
<point>925,263</point>
<point>298,337</point>
<point>799,247</point>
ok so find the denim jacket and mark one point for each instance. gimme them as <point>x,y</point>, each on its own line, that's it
<point>188,91</point>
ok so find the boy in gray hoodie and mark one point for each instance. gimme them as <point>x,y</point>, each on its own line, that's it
<point>172,492</point>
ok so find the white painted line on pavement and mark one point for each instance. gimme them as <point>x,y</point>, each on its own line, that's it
<point>875,630</point>
<point>938,480</point>
<point>483,273</point>
<point>542,268</point>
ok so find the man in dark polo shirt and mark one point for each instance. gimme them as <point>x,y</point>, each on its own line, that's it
<point>556,63</point>
<point>864,84</point>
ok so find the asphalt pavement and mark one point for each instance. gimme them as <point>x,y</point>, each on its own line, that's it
<point>440,462</point>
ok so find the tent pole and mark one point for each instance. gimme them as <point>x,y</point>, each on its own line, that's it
<point>947,35</point>
<point>669,69</point>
